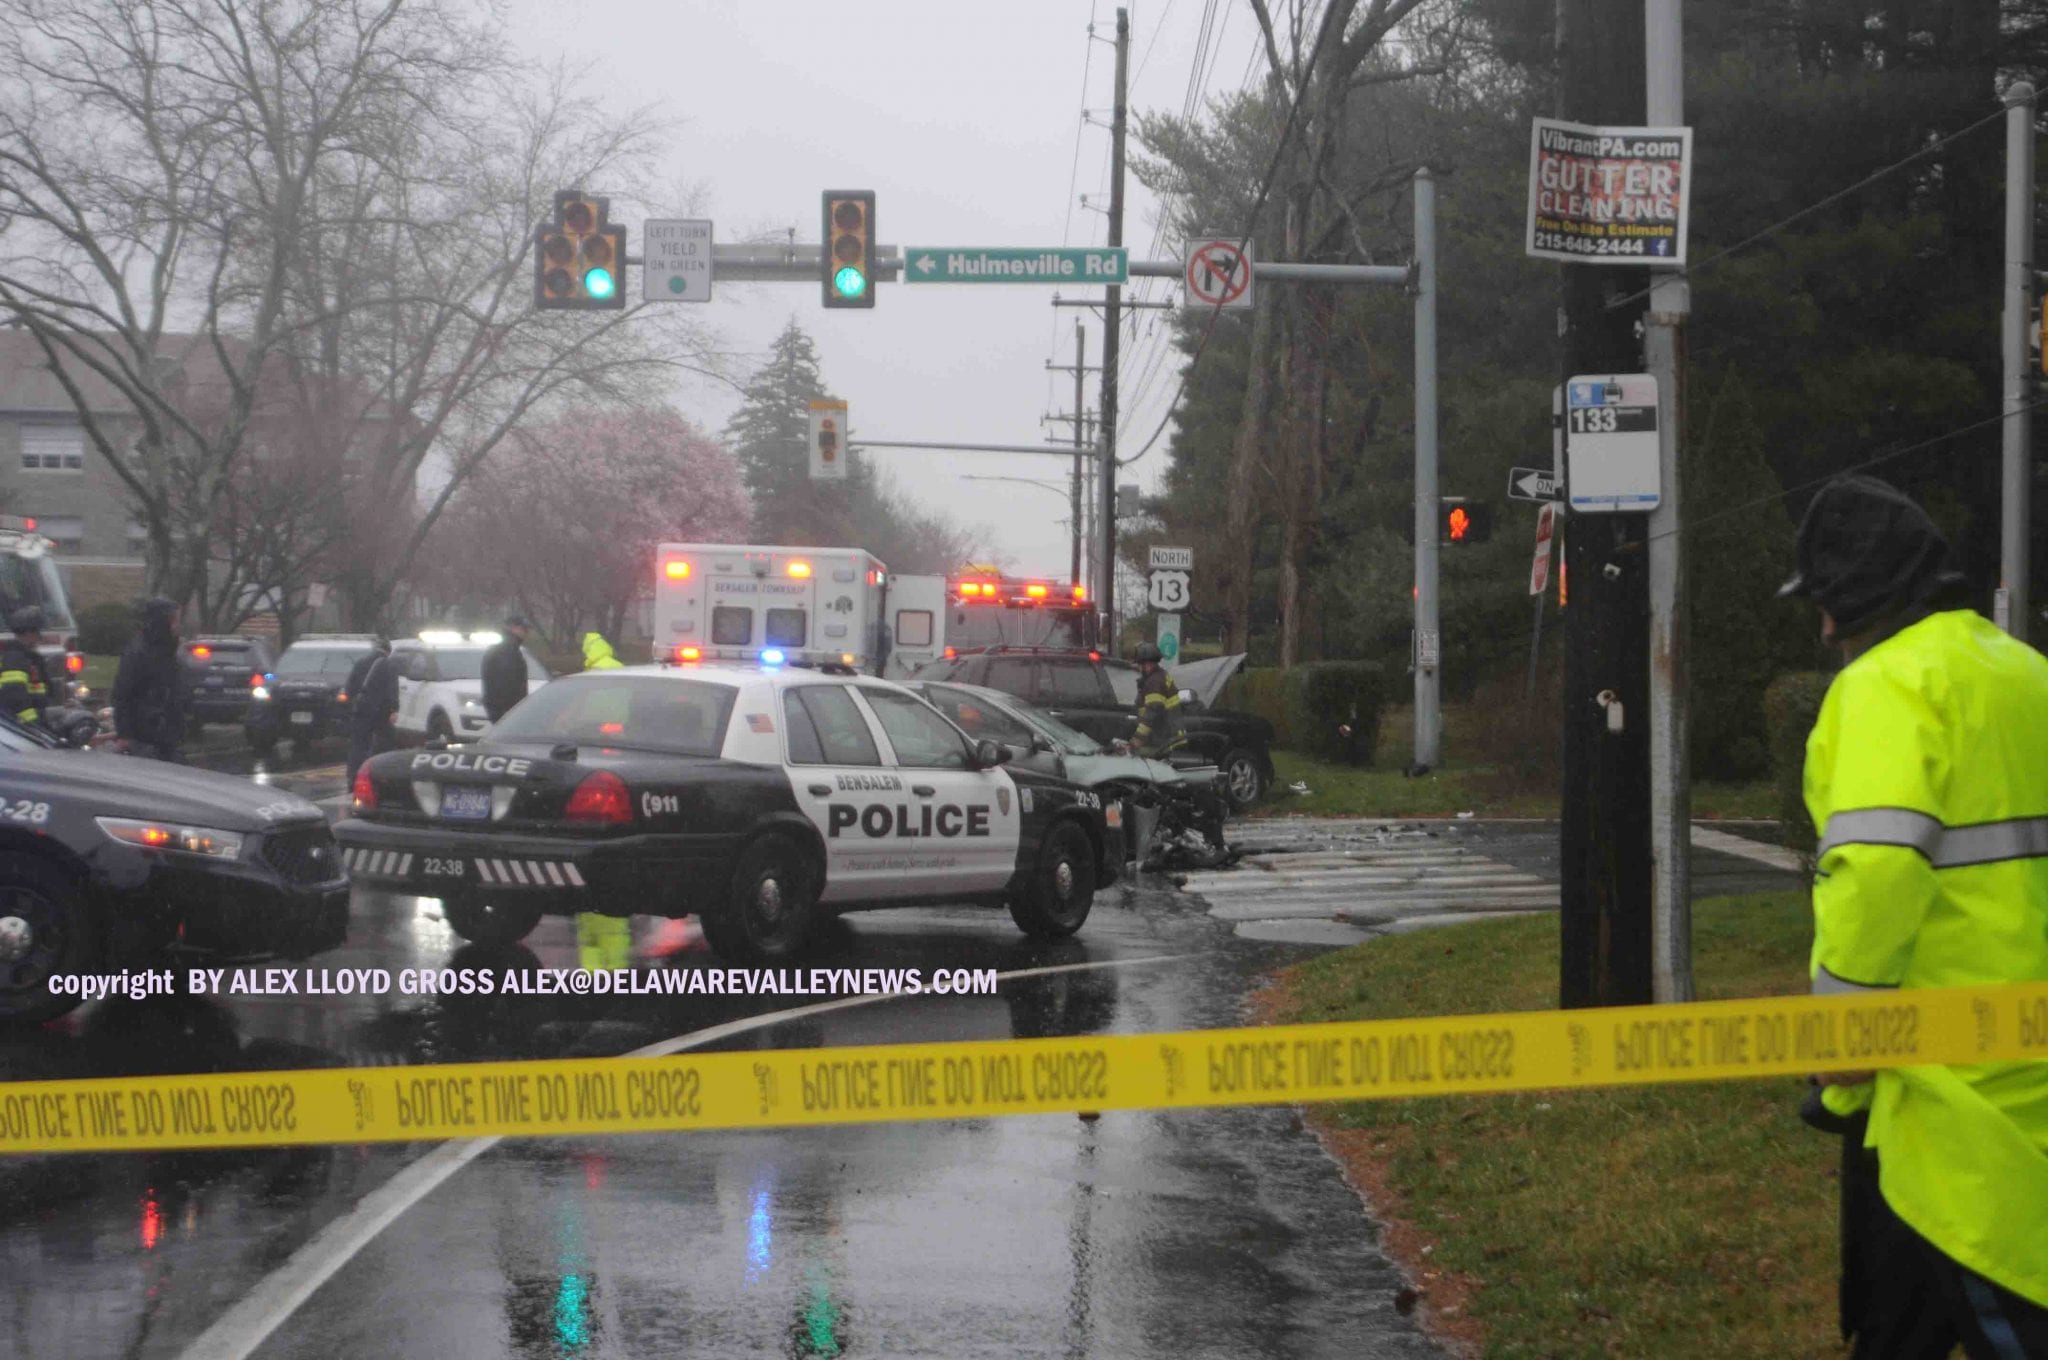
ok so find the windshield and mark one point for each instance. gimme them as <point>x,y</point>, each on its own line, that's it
<point>34,580</point>
<point>14,737</point>
<point>318,661</point>
<point>645,712</point>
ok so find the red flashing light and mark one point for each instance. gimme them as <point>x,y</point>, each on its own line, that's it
<point>254,681</point>
<point>1095,656</point>
<point>950,653</point>
<point>1037,591</point>
<point>29,523</point>
<point>676,569</point>
<point>152,1220</point>
<point>611,729</point>
<point>364,794</point>
<point>799,570</point>
<point>75,662</point>
<point>201,651</point>
<point>683,654</point>
<point>1080,592</point>
<point>602,798</point>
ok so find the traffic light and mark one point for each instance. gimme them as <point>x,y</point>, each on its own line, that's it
<point>847,258</point>
<point>1461,521</point>
<point>579,259</point>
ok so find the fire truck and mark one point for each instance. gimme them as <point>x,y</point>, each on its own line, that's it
<point>755,602</point>
<point>28,575</point>
<point>932,617</point>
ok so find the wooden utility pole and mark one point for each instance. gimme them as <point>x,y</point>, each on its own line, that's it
<point>1604,838</point>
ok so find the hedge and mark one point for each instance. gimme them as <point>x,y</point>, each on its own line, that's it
<point>1308,704</point>
<point>104,629</point>
<point>1791,706</point>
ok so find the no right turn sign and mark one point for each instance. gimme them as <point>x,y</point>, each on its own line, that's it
<point>1219,272</point>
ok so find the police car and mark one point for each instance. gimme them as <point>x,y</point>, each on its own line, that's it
<point>109,861</point>
<point>758,797</point>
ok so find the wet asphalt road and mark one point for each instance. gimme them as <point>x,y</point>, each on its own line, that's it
<point>1222,1233</point>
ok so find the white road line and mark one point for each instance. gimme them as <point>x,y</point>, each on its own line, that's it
<point>237,1333</point>
<point>1777,856</point>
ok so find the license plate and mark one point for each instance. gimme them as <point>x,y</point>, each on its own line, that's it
<point>468,802</point>
<point>303,719</point>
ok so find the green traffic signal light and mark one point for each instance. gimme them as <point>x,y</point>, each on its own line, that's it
<point>598,283</point>
<point>850,282</point>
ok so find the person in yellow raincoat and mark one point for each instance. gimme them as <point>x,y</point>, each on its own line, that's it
<point>1927,779</point>
<point>602,941</point>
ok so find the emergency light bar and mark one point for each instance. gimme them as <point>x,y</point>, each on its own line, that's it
<point>676,569</point>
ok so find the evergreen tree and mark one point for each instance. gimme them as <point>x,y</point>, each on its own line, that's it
<point>1738,549</point>
<point>770,435</point>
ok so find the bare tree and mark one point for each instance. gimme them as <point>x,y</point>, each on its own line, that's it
<point>205,199</point>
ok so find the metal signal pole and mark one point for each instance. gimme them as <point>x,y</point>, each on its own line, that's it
<point>2015,602</point>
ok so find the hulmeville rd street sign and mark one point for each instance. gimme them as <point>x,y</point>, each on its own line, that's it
<point>676,260</point>
<point>1171,559</point>
<point>1020,264</point>
<point>1532,484</point>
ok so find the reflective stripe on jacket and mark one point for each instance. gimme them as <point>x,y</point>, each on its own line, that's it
<point>24,684</point>
<point>1927,775</point>
<point>1159,726</point>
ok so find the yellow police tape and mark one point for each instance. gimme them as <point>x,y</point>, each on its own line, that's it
<point>1293,1064</point>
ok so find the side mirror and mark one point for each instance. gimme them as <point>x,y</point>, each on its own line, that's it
<point>1040,742</point>
<point>989,754</point>
<point>1187,696</point>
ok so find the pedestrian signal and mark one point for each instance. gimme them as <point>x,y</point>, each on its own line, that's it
<point>579,258</point>
<point>847,256</point>
<point>1461,521</point>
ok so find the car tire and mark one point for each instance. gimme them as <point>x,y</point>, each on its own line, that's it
<point>1244,778</point>
<point>483,920</point>
<point>1061,889</point>
<point>439,726</point>
<point>46,927</point>
<point>768,913</point>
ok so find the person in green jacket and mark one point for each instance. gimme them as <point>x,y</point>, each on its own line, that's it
<point>602,941</point>
<point>1927,779</point>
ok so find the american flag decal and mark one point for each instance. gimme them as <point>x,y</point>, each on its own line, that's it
<point>760,722</point>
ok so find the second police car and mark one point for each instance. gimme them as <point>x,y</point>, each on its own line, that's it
<point>758,797</point>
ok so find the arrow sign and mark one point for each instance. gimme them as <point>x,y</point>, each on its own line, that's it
<point>1017,264</point>
<point>1532,484</point>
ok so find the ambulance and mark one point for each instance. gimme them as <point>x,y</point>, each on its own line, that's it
<point>749,602</point>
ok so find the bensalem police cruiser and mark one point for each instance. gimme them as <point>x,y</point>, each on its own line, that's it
<point>757,797</point>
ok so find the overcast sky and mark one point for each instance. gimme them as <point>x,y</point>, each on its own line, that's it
<point>964,118</point>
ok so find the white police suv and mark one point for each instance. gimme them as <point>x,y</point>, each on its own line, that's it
<point>757,797</point>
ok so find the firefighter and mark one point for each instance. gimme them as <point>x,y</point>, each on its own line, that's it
<point>1160,732</point>
<point>24,683</point>
<point>1927,778</point>
<point>504,670</point>
<point>602,941</point>
<point>150,687</point>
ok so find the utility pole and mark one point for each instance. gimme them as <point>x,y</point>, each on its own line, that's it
<point>1604,837</point>
<point>1079,418</point>
<point>1670,701</point>
<point>1112,332</point>
<point>2015,608</point>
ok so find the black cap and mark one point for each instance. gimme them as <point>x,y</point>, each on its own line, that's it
<point>517,621</point>
<point>1148,651</point>
<point>1866,548</point>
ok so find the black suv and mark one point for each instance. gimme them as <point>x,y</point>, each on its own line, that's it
<point>303,697</point>
<point>1099,695</point>
<point>222,672</point>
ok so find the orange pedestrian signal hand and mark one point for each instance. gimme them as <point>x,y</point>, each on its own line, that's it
<point>1461,524</point>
